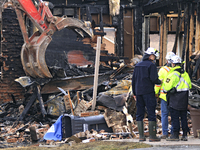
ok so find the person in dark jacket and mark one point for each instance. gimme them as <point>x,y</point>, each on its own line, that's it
<point>145,76</point>
<point>177,85</point>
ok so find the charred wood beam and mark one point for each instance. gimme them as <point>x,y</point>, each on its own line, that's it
<point>196,67</point>
<point>112,58</point>
<point>177,28</point>
<point>138,30</point>
<point>195,85</point>
<point>119,46</point>
<point>164,39</point>
<point>73,83</point>
<point>160,6</point>
<point>89,17</point>
<point>186,32</point>
<point>28,106</point>
<point>94,9</point>
<point>13,98</point>
<point>146,33</point>
<point>39,96</point>
<point>101,19</point>
<point>197,39</point>
<point>191,43</point>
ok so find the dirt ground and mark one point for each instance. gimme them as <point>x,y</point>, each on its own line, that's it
<point>98,145</point>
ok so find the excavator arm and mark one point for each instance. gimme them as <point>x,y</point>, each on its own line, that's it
<point>34,48</point>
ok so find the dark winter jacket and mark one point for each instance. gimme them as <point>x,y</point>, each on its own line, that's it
<point>145,76</point>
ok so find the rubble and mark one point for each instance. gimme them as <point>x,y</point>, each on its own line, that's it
<point>31,128</point>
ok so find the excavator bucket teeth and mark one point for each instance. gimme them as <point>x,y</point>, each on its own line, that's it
<point>33,53</point>
<point>75,24</point>
<point>33,58</point>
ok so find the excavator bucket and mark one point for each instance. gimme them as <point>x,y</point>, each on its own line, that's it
<point>33,53</point>
<point>34,48</point>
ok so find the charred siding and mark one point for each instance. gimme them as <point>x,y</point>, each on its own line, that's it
<point>11,68</point>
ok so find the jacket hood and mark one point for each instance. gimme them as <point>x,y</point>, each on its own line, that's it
<point>179,69</point>
<point>145,57</point>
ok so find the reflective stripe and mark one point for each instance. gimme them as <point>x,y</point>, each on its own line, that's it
<point>158,85</point>
<point>167,68</point>
<point>182,90</point>
<point>181,80</point>
<point>161,90</point>
<point>164,90</point>
<point>176,75</point>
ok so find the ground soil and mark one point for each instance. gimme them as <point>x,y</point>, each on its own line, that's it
<point>98,145</point>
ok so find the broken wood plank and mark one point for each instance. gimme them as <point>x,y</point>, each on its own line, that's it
<point>82,107</point>
<point>67,103</point>
<point>89,113</point>
<point>78,96</point>
<point>70,102</point>
<point>96,74</point>
<point>44,113</point>
<point>33,134</point>
<point>28,106</point>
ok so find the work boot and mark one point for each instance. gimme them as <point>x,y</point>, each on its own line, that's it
<point>141,131</point>
<point>152,132</point>
<point>174,137</point>
<point>184,137</point>
<point>163,136</point>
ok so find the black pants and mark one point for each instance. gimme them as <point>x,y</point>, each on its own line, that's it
<point>148,101</point>
<point>175,114</point>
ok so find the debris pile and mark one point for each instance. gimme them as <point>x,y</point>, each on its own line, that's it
<point>26,122</point>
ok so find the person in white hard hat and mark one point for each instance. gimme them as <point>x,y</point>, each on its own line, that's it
<point>145,76</point>
<point>177,85</point>
<point>162,73</point>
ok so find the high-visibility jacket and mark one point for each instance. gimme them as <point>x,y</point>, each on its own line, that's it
<point>179,80</point>
<point>162,73</point>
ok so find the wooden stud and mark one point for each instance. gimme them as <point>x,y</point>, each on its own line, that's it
<point>70,101</point>
<point>78,96</point>
<point>158,23</point>
<point>132,44</point>
<point>165,31</point>
<point>197,36</point>
<point>169,24</point>
<point>161,39</point>
<point>191,34</point>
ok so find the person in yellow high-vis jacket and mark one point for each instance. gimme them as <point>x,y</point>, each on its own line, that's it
<point>163,72</point>
<point>177,87</point>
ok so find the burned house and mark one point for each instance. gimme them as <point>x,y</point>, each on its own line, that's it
<point>127,28</point>
<point>135,25</point>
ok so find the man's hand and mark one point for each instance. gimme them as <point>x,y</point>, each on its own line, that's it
<point>134,97</point>
<point>172,91</point>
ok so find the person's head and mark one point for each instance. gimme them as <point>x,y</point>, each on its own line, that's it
<point>169,57</point>
<point>176,61</point>
<point>153,53</point>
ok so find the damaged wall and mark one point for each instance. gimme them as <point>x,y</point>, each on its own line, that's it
<point>11,68</point>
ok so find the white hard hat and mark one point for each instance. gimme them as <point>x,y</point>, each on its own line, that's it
<point>169,56</point>
<point>152,51</point>
<point>176,59</point>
